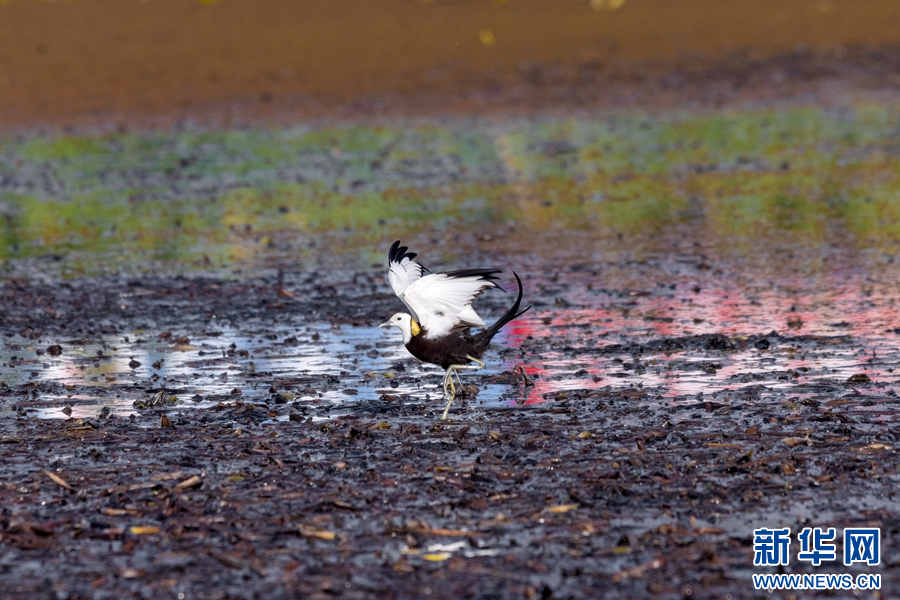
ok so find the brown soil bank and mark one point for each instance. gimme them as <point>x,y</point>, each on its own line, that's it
<point>104,61</point>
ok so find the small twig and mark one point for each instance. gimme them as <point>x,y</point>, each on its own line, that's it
<point>58,480</point>
<point>525,377</point>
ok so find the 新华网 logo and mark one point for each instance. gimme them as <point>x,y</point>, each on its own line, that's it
<point>862,545</point>
<point>771,547</point>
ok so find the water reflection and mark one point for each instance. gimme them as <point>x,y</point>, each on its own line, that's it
<point>825,329</point>
<point>737,223</point>
<point>202,200</point>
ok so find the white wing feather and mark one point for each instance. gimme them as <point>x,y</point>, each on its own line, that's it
<point>403,274</point>
<point>403,271</point>
<point>444,303</point>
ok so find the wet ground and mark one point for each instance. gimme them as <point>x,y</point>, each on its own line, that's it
<point>258,436</point>
<point>196,401</point>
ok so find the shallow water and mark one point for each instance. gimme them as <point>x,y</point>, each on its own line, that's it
<point>630,231</point>
<point>335,366</point>
<point>791,338</point>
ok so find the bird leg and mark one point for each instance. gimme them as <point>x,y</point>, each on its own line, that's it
<point>449,388</point>
<point>479,364</point>
<point>447,383</point>
<point>458,380</point>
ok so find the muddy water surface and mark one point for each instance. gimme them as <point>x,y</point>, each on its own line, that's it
<point>688,330</point>
<point>196,398</point>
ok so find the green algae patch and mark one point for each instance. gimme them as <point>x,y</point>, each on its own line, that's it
<point>77,148</point>
<point>749,174</point>
<point>732,175</point>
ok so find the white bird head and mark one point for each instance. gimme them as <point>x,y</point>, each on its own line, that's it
<point>405,323</point>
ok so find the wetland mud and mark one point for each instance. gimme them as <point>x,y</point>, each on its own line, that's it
<point>258,436</point>
<point>196,401</point>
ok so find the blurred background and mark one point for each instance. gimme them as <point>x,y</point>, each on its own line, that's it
<point>211,133</point>
<point>108,63</point>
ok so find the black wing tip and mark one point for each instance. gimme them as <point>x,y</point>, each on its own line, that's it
<point>397,253</point>
<point>486,274</point>
<point>393,251</point>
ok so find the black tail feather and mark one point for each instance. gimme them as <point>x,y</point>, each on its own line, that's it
<point>511,314</point>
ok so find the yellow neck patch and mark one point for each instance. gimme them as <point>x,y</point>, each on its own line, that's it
<point>414,327</point>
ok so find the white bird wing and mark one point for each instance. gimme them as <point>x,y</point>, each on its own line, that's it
<point>442,302</point>
<point>403,271</point>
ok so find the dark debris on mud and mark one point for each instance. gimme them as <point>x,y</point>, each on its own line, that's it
<point>96,306</point>
<point>613,492</point>
<point>591,491</point>
<point>561,501</point>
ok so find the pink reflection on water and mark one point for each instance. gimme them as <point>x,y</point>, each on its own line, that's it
<point>838,306</point>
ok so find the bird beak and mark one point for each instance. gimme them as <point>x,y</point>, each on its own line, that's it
<point>385,324</point>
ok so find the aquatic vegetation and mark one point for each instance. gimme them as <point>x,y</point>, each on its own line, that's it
<point>737,176</point>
